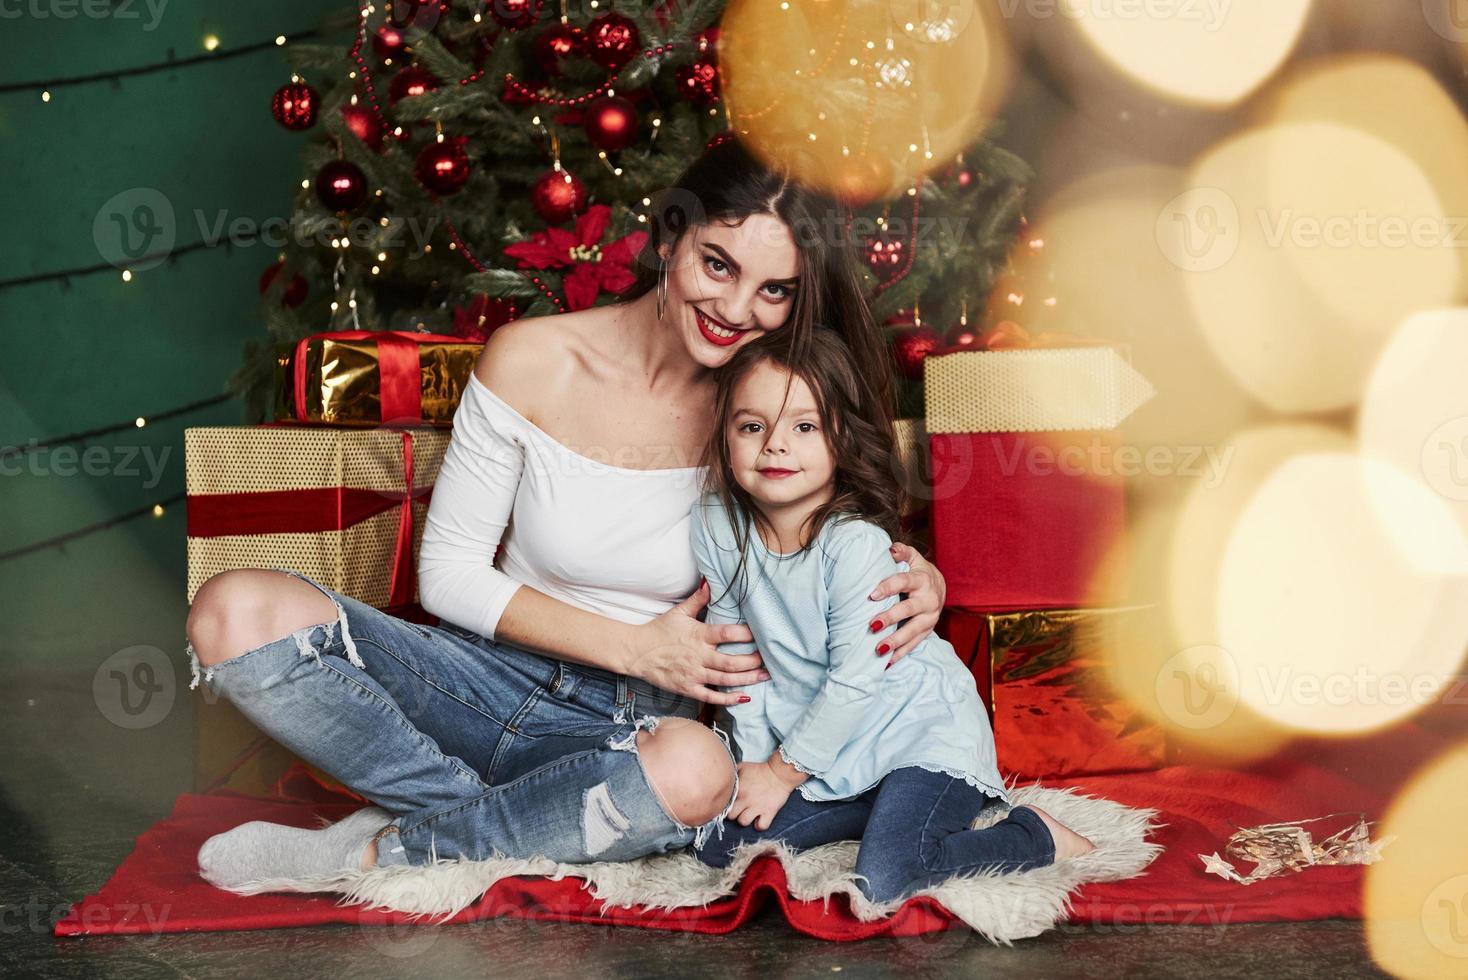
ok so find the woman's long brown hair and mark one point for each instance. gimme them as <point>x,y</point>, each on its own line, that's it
<point>728,184</point>
<point>856,421</point>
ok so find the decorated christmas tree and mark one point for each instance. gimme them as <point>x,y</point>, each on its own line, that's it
<point>473,163</point>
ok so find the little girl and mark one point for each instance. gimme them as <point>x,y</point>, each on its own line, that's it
<point>795,523</point>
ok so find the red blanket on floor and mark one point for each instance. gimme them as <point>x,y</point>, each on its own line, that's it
<point>157,889</point>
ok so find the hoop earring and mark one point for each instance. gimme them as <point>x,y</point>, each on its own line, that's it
<point>662,297</point>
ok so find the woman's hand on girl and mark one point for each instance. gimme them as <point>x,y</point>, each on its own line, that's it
<point>925,590</point>
<point>677,652</point>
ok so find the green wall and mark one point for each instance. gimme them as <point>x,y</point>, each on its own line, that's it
<point>103,351</point>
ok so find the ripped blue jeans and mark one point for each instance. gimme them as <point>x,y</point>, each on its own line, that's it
<point>478,748</point>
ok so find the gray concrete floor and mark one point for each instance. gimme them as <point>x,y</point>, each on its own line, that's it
<point>77,788</point>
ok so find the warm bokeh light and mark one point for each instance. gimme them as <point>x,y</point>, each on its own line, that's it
<point>1305,244</point>
<point>1212,509</point>
<point>1398,102</point>
<point>1416,898</point>
<point>1332,629</point>
<point>1415,416</point>
<point>1174,674</point>
<point>862,98</point>
<point>1207,54</point>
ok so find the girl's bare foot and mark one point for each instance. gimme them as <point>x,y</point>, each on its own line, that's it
<point>1068,843</point>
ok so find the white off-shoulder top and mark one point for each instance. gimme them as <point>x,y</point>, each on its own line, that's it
<point>609,539</point>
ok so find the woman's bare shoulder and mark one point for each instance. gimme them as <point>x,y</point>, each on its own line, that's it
<point>534,362</point>
<point>524,362</point>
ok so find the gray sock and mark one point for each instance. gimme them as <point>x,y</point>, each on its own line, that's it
<point>259,851</point>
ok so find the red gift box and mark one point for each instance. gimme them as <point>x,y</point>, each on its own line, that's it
<point>1028,497</point>
<point>1052,708</point>
<point>1024,535</point>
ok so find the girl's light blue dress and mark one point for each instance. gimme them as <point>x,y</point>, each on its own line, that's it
<point>829,705</point>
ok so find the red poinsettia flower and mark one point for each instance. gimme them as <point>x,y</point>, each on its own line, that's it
<point>594,266</point>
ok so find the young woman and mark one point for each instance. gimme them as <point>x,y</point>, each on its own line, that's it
<point>552,712</point>
<point>836,746</point>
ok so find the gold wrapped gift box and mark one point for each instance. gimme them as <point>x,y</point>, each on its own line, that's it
<point>373,378</point>
<point>283,497</point>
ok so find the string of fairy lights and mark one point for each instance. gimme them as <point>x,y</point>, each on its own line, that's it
<point>47,90</point>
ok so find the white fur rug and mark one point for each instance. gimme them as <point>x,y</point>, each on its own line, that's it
<point>999,907</point>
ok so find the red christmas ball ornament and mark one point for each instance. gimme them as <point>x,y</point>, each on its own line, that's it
<point>443,167</point>
<point>909,348</point>
<point>364,124</point>
<point>515,14</point>
<point>294,105</point>
<point>410,82</point>
<point>885,256</point>
<point>388,41</point>
<point>698,82</point>
<point>554,45</point>
<point>612,40</point>
<point>611,123</point>
<point>558,196</point>
<point>294,293</point>
<point>341,185</point>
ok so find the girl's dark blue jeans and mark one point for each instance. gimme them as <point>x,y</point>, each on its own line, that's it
<point>914,833</point>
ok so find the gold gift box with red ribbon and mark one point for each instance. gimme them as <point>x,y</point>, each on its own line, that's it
<point>343,506</point>
<point>366,377</point>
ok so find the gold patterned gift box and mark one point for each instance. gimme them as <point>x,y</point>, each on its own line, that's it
<point>332,504</point>
<point>1044,675</point>
<point>367,378</point>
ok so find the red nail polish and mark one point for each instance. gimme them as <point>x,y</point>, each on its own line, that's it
<point>744,699</point>
<point>876,625</point>
<point>888,664</point>
<point>882,648</point>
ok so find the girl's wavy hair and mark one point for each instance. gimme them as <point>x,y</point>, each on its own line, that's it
<point>855,419</point>
<point>727,184</point>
